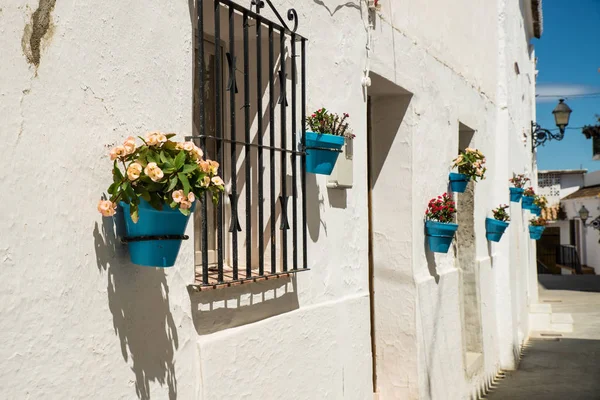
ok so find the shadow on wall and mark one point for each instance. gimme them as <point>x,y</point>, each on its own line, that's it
<point>138,298</point>
<point>216,310</point>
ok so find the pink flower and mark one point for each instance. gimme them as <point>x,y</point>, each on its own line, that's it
<point>217,181</point>
<point>191,197</point>
<point>185,204</point>
<point>129,145</point>
<point>117,152</point>
<point>134,170</point>
<point>107,208</point>
<point>178,196</point>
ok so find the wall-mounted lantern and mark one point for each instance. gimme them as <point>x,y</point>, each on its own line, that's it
<point>562,113</point>
<point>584,214</point>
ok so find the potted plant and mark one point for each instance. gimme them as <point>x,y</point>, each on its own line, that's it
<point>439,227</point>
<point>471,166</point>
<point>495,227</point>
<point>539,203</point>
<point>156,190</point>
<point>528,196</point>
<point>326,134</point>
<point>519,182</point>
<point>536,228</point>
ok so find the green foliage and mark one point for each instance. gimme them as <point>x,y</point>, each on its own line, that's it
<point>500,213</point>
<point>161,172</point>
<point>470,162</point>
<point>322,121</point>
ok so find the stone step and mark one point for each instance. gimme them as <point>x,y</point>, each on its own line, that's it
<point>540,308</point>
<point>562,318</point>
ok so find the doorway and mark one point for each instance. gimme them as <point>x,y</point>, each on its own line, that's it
<point>389,178</point>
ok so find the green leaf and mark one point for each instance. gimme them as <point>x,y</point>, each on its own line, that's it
<point>112,188</point>
<point>118,176</point>
<point>180,160</point>
<point>189,168</point>
<point>170,135</point>
<point>133,212</point>
<point>152,157</point>
<point>172,183</point>
<point>186,184</point>
<point>129,190</point>
<point>185,211</point>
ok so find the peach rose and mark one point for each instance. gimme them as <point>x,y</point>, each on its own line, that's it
<point>154,172</point>
<point>117,151</point>
<point>216,180</point>
<point>185,204</point>
<point>107,208</point>
<point>134,170</point>
<point>129,145</point>
<point>177,196</point>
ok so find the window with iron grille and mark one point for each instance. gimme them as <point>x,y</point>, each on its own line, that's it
<point>247,64</point>
<point>550,182</point>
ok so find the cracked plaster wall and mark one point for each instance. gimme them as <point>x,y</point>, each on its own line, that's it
<point>81,322</point>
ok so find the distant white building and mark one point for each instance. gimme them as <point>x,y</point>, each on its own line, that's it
<point>559,183</point>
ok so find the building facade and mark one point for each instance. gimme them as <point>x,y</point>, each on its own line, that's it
<point>375,314</point>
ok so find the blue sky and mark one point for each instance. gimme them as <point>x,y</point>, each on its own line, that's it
<point>568,63</point>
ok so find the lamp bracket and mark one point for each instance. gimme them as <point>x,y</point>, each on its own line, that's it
<point>539,136</point>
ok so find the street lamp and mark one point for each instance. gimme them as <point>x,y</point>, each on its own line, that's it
<point>562,113</point>
<point>583,214</point>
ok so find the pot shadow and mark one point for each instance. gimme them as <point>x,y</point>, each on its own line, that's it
<point>314,200</point>
<point>431,264</point>
<point>138,298</point>
<point>219,309</point>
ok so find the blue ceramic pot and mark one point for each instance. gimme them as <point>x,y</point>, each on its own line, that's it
<point>516,194</point>
<point>154,253</point>
<point>535,210</point>
<point>494,229</point>
<point>535,232</point>
<point>458,182</point>
<point>321,161</point>
<point>527,202</point>
<point>440,235</point>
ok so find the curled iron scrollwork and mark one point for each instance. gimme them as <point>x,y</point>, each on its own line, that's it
<point>292,15</point>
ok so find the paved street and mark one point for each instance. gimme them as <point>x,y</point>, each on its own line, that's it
<point>564,367</point>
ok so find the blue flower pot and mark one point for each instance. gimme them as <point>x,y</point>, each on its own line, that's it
<point>535,232</point>
<point>439,235</point>
<point>154,253</point>
<point>516,194</point>
<point>535,210</point>
<point>458,182</point>
<point>494,229</point>
<point>320,160</point>
<point>527,202</point>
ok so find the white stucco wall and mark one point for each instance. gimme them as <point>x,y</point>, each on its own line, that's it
<point>80,321</point>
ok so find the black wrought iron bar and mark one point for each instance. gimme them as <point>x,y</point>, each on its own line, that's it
<point>202,128</point>
<point>293,160</point>
<point>303,117</point>
<point>127,239</point>
<point>283,103</point>
<point>219,133</point>
<point>250,144</point>
<point>245,280</point>
<point>259,18</point>
<point>272,152</point>
<point>259,134</point>
<point>247,150</point>
<point>232,153</point>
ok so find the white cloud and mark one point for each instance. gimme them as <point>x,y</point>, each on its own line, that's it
<point>551,92</point>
